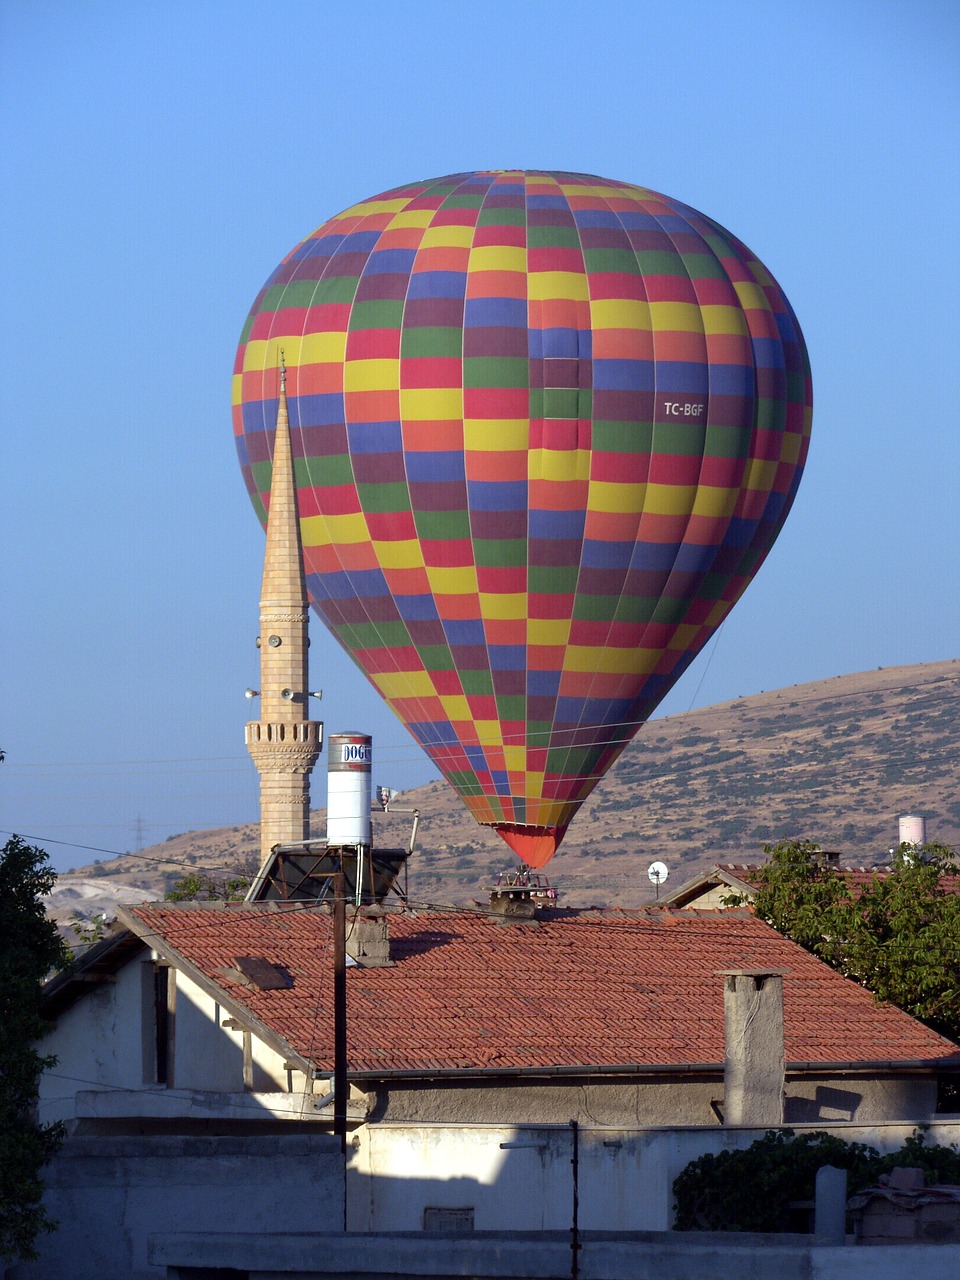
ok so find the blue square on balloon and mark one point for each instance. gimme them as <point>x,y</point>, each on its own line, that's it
<point>606,555</point>
<point>506,313</point>
<point>507,657</point>
<point>561,344</point>
<point>323,247</point>
<point>468,631</point>
<point>497,495</point>
<point>419,608</point>
<point>631,221</point>
<point>375,437</point>
<point>359,241</point>
<point>732,380</point>
<point>739,532</point>
<point>358,583</point>
<point>325,409</point>
<point>390,260</point>
<point>422,464</point>
<point>437,284</point>
<point>556,524</point>
<point>597,218</point>
<point>694,559</point>
<point>768,353</point>
<point>626,375</point>
<point>543,684</point>
<point>658,556</point>
<point>686,377</point>
<point>431,733</point>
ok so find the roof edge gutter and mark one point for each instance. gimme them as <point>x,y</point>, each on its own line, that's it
<point>882,1064</point>
<point>620,1069</point>
<point>648,1069</point>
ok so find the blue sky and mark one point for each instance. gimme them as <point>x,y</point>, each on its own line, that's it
<point>160,158</point>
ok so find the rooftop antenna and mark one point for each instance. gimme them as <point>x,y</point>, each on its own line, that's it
<point>385,798</point>
<point>656,873</point>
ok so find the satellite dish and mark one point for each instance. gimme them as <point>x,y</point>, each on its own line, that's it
<point>657,872</point>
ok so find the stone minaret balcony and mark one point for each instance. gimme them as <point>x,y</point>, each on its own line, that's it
<point>284,743</point>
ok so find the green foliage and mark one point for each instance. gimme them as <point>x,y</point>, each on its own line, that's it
<point>899,936</point>
<point>198,886</point>
<point>752,1190</point>
<point>802,895</point>
<point>86,932</point>
<point>29,948</point>
<point>905,945</point>
<point>940,1165</point>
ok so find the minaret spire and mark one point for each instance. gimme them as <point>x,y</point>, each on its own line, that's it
<point>284,742</point>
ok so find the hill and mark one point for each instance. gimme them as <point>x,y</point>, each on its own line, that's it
<point>836,761</point>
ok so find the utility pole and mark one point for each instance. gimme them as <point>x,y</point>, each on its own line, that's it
<point>340,1006</point>
<point>575,1225</point>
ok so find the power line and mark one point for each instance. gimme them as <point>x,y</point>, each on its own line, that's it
<point>657,774</point>
<point>114,853</point>
<point>409,749</point>
<point>660,772</point>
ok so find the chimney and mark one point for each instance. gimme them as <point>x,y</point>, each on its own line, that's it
<point>753,1029</point>
<point>368,938</point>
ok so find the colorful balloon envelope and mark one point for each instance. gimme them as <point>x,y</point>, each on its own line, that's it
<point>546,428</point>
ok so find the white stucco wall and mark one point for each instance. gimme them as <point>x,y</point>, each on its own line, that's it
<point>99,1043</point>
<point>521,1179</point>
<point>210,1056</point>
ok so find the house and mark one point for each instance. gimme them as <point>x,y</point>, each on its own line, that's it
<point>490,1060</point>
<point>712,890</point>
<point>724,883</point>
<point>222,1011</point>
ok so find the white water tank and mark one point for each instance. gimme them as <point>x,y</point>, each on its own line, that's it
<point>350,756</point>
<point>913,829</point>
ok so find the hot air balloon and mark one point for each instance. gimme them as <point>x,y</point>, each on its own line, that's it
<point>547,426</point>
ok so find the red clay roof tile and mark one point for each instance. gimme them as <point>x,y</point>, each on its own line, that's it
<point>577,989</point>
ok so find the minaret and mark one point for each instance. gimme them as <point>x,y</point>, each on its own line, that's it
<point>284,742</point>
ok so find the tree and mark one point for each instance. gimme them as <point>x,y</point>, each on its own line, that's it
<point>756,1189</point>
<point>87,932</point>
<point>30,948</point>
<point>753,1189</point>
<point>899,935</point>
<point>803,896</point>
<point>906,943</point>
<point>199,886</point>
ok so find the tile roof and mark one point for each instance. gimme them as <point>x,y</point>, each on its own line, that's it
<point>575,990</point>
<point>858,878</point>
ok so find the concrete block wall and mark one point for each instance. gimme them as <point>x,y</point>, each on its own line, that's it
<point>118,1199</point>
<point>111,1196</point>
